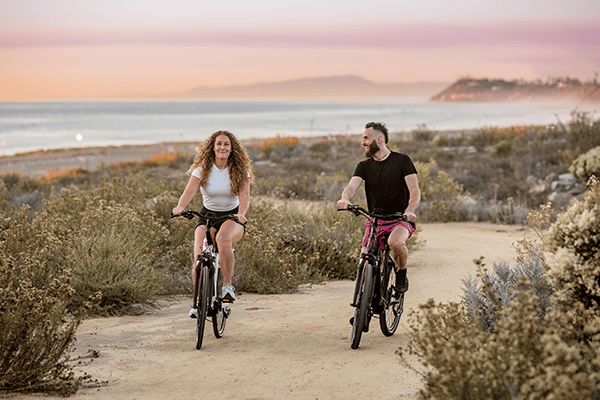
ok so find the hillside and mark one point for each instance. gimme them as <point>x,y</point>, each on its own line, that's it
<point>331,86</point>
<point>482,90</point>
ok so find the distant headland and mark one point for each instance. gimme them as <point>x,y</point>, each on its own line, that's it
<point>321,87</point>
<point>484,90</point>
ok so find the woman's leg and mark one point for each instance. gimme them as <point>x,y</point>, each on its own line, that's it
<point>229,234</point>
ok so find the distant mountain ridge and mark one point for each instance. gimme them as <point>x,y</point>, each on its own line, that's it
<point>331,86</point>
<point>483,90</point>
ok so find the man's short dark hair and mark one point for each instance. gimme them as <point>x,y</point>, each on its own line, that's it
<point>379,126</point>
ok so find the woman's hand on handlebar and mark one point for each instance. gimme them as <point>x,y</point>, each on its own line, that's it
<point>343,204</point>
<point>177,210</point>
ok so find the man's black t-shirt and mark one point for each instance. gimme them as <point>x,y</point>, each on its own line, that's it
<point>385,185</point>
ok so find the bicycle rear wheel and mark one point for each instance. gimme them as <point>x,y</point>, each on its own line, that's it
<point>393,302</point>
<point>220,315</point>
<point>361,314</point>
<point>205,295</point>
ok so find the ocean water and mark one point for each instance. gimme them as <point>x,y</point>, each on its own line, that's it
<point>30,126</point>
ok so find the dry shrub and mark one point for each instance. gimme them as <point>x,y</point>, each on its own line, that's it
<point>586,165</point>
<point>263,263</point>
<point>280,144</point>
<point>116,240</point>
<point>441,195</point>
<point>60,174</point>
<point>528,356</point>
<point>114,253</point>
<point>574,243</point>
<point>511,339</point>
<point>37,319</point>
<point>284,247</point>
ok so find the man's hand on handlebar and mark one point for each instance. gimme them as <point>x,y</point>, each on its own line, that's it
<point>411,216</point>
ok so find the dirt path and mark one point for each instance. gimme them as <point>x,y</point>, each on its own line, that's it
<point>294,346</point>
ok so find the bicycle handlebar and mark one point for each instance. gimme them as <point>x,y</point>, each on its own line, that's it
<point>358,210</point>
<point>189,214</point>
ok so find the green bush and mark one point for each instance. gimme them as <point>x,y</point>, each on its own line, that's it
<point>37,319</point>
<point>502,148</point>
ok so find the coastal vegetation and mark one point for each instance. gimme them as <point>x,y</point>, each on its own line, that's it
<point>103,242</point>
<point>529,332</point>
<point>478,90</point>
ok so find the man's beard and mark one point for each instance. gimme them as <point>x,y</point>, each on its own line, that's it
<point>372,150</point>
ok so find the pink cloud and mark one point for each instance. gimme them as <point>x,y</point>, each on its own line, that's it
<point>389,36</point>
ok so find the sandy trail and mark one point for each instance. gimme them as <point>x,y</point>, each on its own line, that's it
<point>292,346</point>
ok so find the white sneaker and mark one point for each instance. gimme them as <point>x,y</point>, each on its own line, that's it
<point>193,313</point>
<point>228,293</point>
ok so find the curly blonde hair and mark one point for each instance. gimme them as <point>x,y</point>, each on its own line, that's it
<point>239,163</point>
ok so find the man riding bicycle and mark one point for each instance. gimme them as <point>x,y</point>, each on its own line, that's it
<point>391,186</point>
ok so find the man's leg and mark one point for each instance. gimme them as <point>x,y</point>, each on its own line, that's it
<point>397,241</point>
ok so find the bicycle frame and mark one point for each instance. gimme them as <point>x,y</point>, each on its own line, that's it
<point>207,271</point>
<point>373,254</point>
<point>210,258</point>
<point>371,295</point>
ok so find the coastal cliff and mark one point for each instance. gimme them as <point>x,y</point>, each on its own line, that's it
<point>484,90</point>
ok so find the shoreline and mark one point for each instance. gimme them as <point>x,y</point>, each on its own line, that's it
<point>39,163</point>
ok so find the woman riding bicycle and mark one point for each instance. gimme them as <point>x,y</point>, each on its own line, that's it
<point>222,171</point>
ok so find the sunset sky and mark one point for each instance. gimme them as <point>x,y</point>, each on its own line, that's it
<point>58,49</point>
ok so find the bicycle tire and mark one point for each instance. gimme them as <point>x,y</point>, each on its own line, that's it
<point>205,295</point>
<point>219,317</point>
<point>364,305</point>
<point>389,319</point>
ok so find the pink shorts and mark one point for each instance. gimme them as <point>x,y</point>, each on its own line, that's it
<point>384,230</point>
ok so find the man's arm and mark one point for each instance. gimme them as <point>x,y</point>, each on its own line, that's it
<point>349,192</point>
<point>415,196</point>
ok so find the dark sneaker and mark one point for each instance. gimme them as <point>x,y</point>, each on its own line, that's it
<point>401,281</point>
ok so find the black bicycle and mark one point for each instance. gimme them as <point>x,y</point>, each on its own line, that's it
<point>208,278</point>
<point>375,291</point>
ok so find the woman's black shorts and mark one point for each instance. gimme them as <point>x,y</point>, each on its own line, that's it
<point>207,214</point>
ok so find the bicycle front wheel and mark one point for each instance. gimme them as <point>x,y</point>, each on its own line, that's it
<point>220,315</point>
<point>205,295</point>
<point>361,314</point>
<point>393,302</point>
